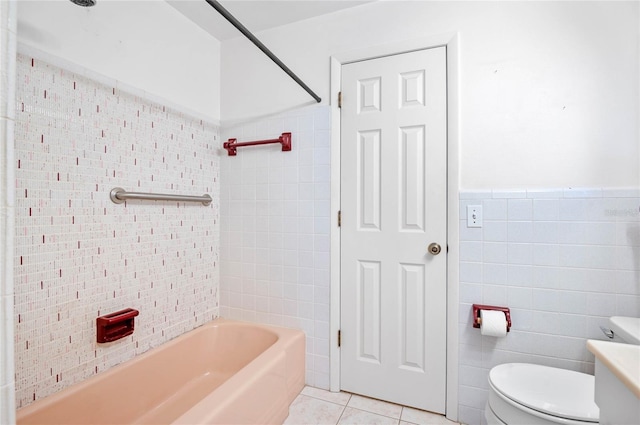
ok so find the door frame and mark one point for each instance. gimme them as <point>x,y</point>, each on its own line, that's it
<point>451,42</point>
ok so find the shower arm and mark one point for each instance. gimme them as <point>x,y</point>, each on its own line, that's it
<point>233,21</point>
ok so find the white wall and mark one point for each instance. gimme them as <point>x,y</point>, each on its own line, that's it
<point>145,44</point>
<point>549,90</point>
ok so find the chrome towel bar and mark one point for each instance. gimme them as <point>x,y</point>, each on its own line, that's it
<point>119,195</point>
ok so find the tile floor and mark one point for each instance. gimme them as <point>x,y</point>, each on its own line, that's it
<point>320,407</point>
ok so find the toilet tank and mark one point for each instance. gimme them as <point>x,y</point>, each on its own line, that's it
<point>625,329</point>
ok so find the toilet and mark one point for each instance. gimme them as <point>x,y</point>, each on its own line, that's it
<point>523,393</point>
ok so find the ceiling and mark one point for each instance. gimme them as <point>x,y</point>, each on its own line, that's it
<point>256,15</point>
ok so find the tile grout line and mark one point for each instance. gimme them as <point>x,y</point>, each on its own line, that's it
<point>341,414</point>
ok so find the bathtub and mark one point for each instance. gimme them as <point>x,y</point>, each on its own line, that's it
<point>224,372</point>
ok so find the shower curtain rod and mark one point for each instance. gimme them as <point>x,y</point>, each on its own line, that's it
<point>229,17</point>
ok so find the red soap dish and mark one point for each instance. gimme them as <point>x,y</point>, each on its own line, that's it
<point>114,326</point>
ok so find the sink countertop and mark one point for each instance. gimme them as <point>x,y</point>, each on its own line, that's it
<point>623,360</point>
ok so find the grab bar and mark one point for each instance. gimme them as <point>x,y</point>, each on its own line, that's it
<point>119,195</point>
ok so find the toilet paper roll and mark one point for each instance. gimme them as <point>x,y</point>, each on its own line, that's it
<point>494,323</point>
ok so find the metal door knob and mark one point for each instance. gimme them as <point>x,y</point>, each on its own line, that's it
<point>434,248</point>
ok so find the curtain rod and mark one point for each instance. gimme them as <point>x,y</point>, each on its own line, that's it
<point>233,21</point>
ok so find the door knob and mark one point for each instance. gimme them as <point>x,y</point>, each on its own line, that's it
<point>434,248</point>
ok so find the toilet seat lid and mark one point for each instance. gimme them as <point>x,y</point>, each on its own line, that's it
<point>558,392</point>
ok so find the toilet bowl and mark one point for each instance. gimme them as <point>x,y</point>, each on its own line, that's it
<point>522,393</point>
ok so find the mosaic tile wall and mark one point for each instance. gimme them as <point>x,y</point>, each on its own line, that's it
<point>8,30</point>
<point>275,220</point>
<point>79,255</point>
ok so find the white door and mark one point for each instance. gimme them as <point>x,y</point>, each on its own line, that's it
<point>393,203</point>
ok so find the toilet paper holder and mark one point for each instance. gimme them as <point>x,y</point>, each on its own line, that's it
<point>477,320</point>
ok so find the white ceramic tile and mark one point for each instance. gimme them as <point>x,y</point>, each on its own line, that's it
<point>627,305</point>
<point>495,231</point>
<point>469,415</point>
<point>546,209</point>
<point>626,258</point>
<point>546,255</point>
<point>508,194</point>
<point>546,299</point>
<point>519,275</point>
<point>574,302</point>
<point>519,297</point>
<point>494,209</point>
<point>626,209</point>
<point>520,209</point>
<point>352,416</point>
<point>468,335</point>
<point>341,398</point>
<point>596,257</point>
<point>422,417</point>
<point>601,304</point>
<point>375,406</point>
<point>551,323</point>
<point>545,232</point>
<point>307,410</point>
<point>470,233</point>
<point>582,193</point>
<point>470,272</point>
<point>321,379</point>
<point>495,273</point>
<point>470,293</point>
<point>494,295</point>
<point>471,251</point>
<point>599,209</point>
<point>554,277</point>
<point>471,354</point>
<point>630,192</point>
<point>472,397</point>
<point>520,253</point>
<point>627,234</point>
<point>520,231</point>
<point>521,319</point>
<point>468,375</point>
<point>544,193</point>
<point>627,282</point>
<point>494,252</point>
<point>573,210</point>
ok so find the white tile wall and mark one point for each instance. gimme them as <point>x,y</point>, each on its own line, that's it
<point>77,254</point>
<point>275,230</point>
<point>8,18</point>
<point>563,260</point>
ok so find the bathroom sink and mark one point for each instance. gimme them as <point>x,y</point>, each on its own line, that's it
<point>617,388</point>
<point>617,367</point>
<point>628,328</point>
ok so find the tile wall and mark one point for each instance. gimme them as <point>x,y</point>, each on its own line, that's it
<point>77,254</point>
<point>275,230</point>
<point>562,260</point>
<point>8,24</point>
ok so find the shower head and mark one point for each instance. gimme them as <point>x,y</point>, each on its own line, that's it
<point>84,3</point>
